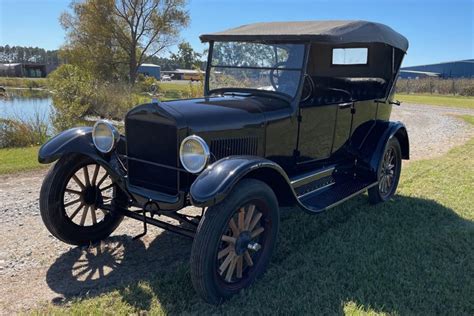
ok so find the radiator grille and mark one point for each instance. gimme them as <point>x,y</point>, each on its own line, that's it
<point>221,148</point>
<point>149,145</point>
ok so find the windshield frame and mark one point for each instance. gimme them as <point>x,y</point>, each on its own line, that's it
<point>220,91</point>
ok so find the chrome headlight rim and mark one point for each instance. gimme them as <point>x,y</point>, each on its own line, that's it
<point>114,133</point>
<point>206,150</point>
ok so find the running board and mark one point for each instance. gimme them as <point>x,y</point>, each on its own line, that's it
<point>334,194</point>
<point>310,177</point>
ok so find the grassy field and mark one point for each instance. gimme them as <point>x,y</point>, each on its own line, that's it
<point>468,118</point>
<point>19,159</point>
<point>443,100</point>
<point>171,90</point>
<point>23,82</point>
<point>411,255</point>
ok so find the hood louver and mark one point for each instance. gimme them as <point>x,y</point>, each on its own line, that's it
<point>221,148</point>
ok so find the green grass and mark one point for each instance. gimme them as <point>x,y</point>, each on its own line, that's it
<point>19,159</point>
<point>411,255</point>
<point>173,91</point>
<point>467,118</point>
<point>443,100</point>
<point>170,86</point>
<point>23,82</point>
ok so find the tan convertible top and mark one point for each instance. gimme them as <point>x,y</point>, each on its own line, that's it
<point>334,32</point>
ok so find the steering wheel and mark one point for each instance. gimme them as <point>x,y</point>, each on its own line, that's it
<point>308,83</point>
<point>275,74</point>
<point>308,88</point>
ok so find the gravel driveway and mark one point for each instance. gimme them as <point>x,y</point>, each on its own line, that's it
<point>433,130</point>
<point>36,268</point>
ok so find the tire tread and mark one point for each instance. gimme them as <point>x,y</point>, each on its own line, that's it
<point>212,223</point>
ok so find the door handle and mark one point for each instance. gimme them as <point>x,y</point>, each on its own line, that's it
<point>345,105</point>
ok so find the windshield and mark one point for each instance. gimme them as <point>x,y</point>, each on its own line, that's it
<point>271,67</point>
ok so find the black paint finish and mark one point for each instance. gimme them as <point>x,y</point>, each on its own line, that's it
<point>74,140</point>
<point>253,135</point>
<point>154,132</point>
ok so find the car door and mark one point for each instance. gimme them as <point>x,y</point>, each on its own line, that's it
<point>353,118</point>
<point>316,132</point>
<point>342,128</point>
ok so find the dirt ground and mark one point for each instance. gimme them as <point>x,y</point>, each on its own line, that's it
<point>35,268</point>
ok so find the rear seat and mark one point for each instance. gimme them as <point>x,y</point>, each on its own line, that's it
<point>360,89</point>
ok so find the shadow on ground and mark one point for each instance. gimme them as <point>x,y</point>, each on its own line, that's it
<point>407,256</point>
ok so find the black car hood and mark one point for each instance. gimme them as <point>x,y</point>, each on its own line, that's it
<point>221,113</point>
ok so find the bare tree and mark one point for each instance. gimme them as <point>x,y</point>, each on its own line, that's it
<point>128,30</point>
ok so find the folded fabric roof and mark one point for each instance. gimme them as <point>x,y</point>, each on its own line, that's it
<point>334,32</point>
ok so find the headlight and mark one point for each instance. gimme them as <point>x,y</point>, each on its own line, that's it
<point>105,136</point>
<point>194,154</point>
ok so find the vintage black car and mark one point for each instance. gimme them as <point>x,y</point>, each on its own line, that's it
<point>294,114</point>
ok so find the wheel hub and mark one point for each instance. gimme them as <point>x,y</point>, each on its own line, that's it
<point>91,195</point>
<point>242,243</point>
<point>239,243</point>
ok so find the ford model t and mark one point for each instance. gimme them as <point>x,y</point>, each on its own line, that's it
<point>293,114</point>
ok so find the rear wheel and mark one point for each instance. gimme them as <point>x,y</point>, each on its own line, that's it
<point>388,173</point>
<point>234,241</point>
<point>76,199</point>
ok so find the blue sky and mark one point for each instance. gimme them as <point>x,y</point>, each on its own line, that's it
<point>437,30</point>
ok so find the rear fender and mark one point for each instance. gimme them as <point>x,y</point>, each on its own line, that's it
<point>218,180</point>
<point>373,147</point>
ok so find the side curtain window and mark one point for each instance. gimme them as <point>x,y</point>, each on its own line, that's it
<point>350,56</point>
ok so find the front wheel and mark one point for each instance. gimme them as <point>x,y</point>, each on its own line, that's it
<point>76,199</point>
<point>234,241</point>
<point>388,173</point>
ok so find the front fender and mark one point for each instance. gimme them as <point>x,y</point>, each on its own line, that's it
<point>79,141</point>
<point>214,183</point>
<point>74,140</point>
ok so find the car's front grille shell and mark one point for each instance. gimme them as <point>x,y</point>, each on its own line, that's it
<point>152,155</point>
<point>221,148</point>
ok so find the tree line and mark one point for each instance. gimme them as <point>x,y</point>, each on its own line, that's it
<point>184,58</point>
<point>24,54</point>
<point>110,39</point>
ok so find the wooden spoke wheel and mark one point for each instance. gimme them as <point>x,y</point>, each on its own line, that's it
<point>387,172</point>
<point>76,199</point>
<point>390,166</point>
<point>87,194</point>
<point>240,243</point>
<point>234,241</point>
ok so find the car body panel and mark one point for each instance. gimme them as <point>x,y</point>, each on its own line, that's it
<point>215,183</point>
<point>78,141</point>
<point>370,151</point>
<point>74,140</point>
<point>317,127</point>
<point>256,134</point>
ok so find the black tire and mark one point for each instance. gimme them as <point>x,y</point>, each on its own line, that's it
<point>53,211</point>
<point>387,188</point>
<point>208,282</point>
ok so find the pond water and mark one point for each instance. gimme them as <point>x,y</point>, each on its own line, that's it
<point>25,104</point>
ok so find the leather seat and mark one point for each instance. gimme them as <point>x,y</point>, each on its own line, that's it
<point>329,90</point>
